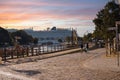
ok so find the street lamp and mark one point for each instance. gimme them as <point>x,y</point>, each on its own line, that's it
<point>117,37</point>
<point>117,40</point>
<point>118,1</point>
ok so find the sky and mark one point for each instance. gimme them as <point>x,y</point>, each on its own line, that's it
<point>43,14</point>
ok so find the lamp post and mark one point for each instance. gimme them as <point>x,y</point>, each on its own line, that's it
<point>117,44</point>
<point>118,1</point>
<point>117,35</point>
<point>117,41</point>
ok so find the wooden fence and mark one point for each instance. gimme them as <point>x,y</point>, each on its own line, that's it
<point>26,51</point>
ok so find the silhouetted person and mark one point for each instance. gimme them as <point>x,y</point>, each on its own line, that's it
<point>87,46</point>
<point>81,47</point>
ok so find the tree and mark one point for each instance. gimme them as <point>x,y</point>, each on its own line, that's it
<point>106,18</point>
<point>35,40</point>
<point>88,37</point>
<point>60,40</point>
<point>68,39</point>
<point>80,38</point>
<point>24,37</point>
<point>5,38</point>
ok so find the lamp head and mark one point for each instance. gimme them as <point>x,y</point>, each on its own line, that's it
<point>118,1</point>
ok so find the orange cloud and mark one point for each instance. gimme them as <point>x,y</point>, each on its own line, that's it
<point>32,13</point>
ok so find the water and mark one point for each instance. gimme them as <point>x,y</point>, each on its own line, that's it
<point>51,48</point>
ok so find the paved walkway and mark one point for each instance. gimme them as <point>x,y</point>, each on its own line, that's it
<point>101,62</point>
<point>93,65</point>
<point>13,76</point>
<point>96,61</point>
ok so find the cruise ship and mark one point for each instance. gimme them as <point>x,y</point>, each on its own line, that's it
<point>52,35</point>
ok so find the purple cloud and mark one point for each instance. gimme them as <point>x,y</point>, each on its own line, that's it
<point>82,11</point>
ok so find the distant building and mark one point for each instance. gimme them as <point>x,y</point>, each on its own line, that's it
<point>49,36</point>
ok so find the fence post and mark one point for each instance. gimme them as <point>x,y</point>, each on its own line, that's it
<point>57,48</point>
<point>5,53</point>
<point>32,51</point>
<point>17,54</point>
<point>50,48</point>
<point>39,50</point>
<point>12,54</point>
<point>47,48</point>
<point>23,51</point>
<point>54,48</point>
<point>27,51</point>
<point>61,47</point>
<point>43,48</point>
<point>36,50</point>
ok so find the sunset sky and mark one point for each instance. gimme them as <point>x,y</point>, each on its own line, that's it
<point>40,14</point>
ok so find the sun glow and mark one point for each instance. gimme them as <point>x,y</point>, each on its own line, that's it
<point>41,14</point>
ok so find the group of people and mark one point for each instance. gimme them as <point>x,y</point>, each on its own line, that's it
<point>84,47</point>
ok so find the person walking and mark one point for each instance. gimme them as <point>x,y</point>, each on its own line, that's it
<point>86,47</point>
<point>81,47</point>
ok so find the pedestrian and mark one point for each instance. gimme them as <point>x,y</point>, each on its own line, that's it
<point>81,47</point>
<point>86,47</point>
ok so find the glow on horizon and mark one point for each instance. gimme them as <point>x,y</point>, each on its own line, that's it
<point>42,14</point>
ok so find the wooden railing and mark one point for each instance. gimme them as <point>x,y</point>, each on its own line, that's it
<point>26,51</point>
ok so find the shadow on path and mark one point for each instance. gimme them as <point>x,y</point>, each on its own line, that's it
<point>29,72</point>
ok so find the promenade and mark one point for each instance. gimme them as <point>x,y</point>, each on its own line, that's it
<point>93,65</point>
